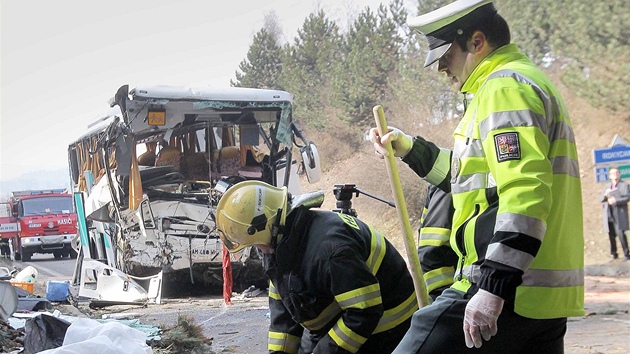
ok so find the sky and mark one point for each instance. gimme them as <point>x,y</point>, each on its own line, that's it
<point>61,61</point>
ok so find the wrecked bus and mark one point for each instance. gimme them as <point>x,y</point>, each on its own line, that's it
<point>152,171</point>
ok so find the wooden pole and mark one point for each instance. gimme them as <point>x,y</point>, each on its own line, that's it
<point>403,216</point>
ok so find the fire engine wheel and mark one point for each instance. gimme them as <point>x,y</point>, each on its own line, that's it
<point>73,254</point>
<point>26,256</point>
<point>58,254</point>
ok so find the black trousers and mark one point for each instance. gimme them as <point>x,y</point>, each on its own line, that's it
<point>613,232</point>
<point>438,328</point>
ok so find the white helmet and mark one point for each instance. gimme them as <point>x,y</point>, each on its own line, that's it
<point>246,213</point>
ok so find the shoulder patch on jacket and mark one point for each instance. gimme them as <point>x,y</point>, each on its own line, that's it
<point>508,147</point>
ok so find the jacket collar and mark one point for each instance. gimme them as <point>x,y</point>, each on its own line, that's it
<point>489,64</point>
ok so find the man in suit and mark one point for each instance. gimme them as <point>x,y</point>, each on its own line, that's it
<point>615,205</point>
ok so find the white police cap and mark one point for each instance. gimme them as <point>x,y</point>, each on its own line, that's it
<point>441,26</point>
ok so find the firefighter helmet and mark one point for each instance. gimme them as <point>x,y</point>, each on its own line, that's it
<point>246,213</point>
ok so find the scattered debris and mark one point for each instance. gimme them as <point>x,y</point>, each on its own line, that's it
<point>11,339</point>
<point>185,337</point>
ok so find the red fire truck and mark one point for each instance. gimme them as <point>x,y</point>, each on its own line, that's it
<point>45,222</point>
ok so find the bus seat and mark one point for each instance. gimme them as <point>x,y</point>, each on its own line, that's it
<point>168,156</point>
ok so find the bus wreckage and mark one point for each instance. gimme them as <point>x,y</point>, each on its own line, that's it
<point>147,178</point>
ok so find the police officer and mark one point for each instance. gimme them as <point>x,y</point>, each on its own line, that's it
<point>515,181</point>
<point>330,273</point>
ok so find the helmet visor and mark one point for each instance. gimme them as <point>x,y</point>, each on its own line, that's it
<point>229,244</point>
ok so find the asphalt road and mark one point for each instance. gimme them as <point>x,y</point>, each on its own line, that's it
<point>242,327</point>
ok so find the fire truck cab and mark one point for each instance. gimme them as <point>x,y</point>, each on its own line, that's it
<point>45,222</point>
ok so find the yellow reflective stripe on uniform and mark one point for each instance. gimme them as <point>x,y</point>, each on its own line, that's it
<point>360,298</point>
<point>550,278</point>
<point>434,236</point>
<point>283,342</point>
<point>377,251</point>
<point>397,315</point>
<point>425,211</point>
<point>509,256</point>
<point>345,337</point>
<point>471,182</point>
<point>436,278</point>
<point>440,168</point>
<point>273,293</point>
<point>331,311</point>
<point>511,222</point>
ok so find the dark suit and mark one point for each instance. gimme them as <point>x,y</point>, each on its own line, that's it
<point>616,216</point>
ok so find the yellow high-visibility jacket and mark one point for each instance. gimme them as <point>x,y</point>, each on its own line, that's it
<point>515,181</point>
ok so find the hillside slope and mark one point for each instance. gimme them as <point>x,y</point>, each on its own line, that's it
<point>594,128</point>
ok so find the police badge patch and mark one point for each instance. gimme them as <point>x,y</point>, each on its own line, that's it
<point>508,147</point>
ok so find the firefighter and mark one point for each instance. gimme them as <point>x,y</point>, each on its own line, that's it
<point>329,272</point>
<point>515,181</point>
<point>437,258</point>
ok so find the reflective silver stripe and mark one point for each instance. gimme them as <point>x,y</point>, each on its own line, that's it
<point>327,315</point>
<point>472,149</point>
<point>511,119</point>
<point>472,273</point>
<point>361,299</point>
<point>467,183</point>
<point>438,275</point>
<point>435,237</point>
<point>344,334</point>
<point>551,105</point>
<point>564,165</point>
<point>440,168</point>
<point>283,342</point>
<point>395,316</point>
<point>554,278</point>
<point>426,234</point>
<point>562,131</point>
<point>377,250</point>
<point>510,222</point>
<point>509,256</point>
<point>538,277</point>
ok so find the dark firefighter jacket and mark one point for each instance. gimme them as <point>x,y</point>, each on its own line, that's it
<point>437,258</point>
<point>340,279</point>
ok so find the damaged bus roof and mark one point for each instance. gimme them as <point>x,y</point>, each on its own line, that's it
<point>153,109</point>
<point>208,93</point>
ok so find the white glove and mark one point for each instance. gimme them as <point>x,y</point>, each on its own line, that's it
<point>401,142</point>
<point>480,317</point>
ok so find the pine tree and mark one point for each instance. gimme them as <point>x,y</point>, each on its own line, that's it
<point>308,66</point>
<point>373,47</point>
<point>263,65</point>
